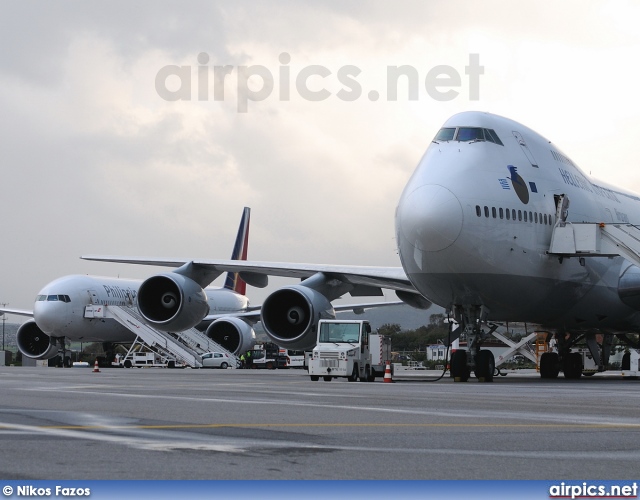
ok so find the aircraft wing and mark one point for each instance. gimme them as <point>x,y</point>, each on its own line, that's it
<point>253,315</point>
<point>19,312</point>
<point>256,273</point>
<point>360,308</point>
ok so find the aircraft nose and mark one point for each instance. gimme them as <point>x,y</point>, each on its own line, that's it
<point>48,316</point>
<point>430,218</point>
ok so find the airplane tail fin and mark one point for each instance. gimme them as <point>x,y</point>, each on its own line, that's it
<point>233,281</point>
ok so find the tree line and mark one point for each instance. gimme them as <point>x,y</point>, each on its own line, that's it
<point>416,340</point>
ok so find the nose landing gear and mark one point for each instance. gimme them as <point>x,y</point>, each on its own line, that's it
<point>481,362</point>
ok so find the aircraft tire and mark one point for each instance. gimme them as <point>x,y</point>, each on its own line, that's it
<point>572,366</point>
<point>549,365</point>
<point>485,365</point>
<point>459,369</point>
<point>626,361</point>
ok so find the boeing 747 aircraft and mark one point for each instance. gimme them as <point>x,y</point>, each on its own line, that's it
<point>495,224</point>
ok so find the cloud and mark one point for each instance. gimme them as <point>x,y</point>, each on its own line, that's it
<point>95,161</point>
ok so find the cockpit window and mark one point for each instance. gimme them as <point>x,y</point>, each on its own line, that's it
<point>470,134</point>
<point>445,134</point>
<point>53,298</point>
<point>489,132</point>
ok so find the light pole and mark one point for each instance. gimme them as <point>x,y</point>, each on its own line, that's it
<point>4,318</point>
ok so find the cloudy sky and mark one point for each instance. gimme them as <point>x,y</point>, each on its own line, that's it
<point>117,139</point>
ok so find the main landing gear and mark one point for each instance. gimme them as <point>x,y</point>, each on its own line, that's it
<point>571,363</point>
<point>481,362</point>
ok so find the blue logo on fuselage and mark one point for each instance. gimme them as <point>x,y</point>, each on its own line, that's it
<point>519,185</point>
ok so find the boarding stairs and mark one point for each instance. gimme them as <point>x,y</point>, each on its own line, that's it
<point>596,240</point>
<point>199,342</point>
<point>186,347</point>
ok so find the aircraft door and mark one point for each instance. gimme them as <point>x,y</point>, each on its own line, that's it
<point>562,207</point>
<point>93,297</point>
<point>608,216</point>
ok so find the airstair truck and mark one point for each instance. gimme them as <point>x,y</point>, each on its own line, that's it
<point>342,350</point>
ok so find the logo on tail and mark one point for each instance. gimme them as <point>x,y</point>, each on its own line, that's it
<point>233,281</point>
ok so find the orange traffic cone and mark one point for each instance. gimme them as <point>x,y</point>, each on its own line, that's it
<point>387,373</point>
<point>96,369</point>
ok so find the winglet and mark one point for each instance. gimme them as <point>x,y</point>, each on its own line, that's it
<point>233,281</point>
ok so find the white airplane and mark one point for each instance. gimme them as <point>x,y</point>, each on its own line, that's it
<point>59,309</point>
<point>474,229</point>
<point>171,302</point>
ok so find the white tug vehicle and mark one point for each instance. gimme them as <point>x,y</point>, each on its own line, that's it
<point>342,350</point>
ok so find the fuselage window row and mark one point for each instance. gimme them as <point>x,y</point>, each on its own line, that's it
<point>512,214</point>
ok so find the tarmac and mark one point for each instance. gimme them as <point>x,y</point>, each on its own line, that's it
<point>153,423</point>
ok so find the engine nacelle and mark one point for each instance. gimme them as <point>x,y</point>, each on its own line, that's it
<point>172,302</point>
<point>629,287</point>
<point>290,316</point>
<point>234,334</point>
<point>34,343</point>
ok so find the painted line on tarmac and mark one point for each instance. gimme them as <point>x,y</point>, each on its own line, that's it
<point>570,419</point>
<point>239,445</point>
<point>328,425</point>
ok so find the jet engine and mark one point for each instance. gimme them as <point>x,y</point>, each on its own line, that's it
<point>290,316</point>
<point>629,287</point>
<point>234,334</point>
<point>172,302</point>
<point>34,343</point>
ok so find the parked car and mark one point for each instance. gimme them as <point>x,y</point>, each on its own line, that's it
<point>216,360</point>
